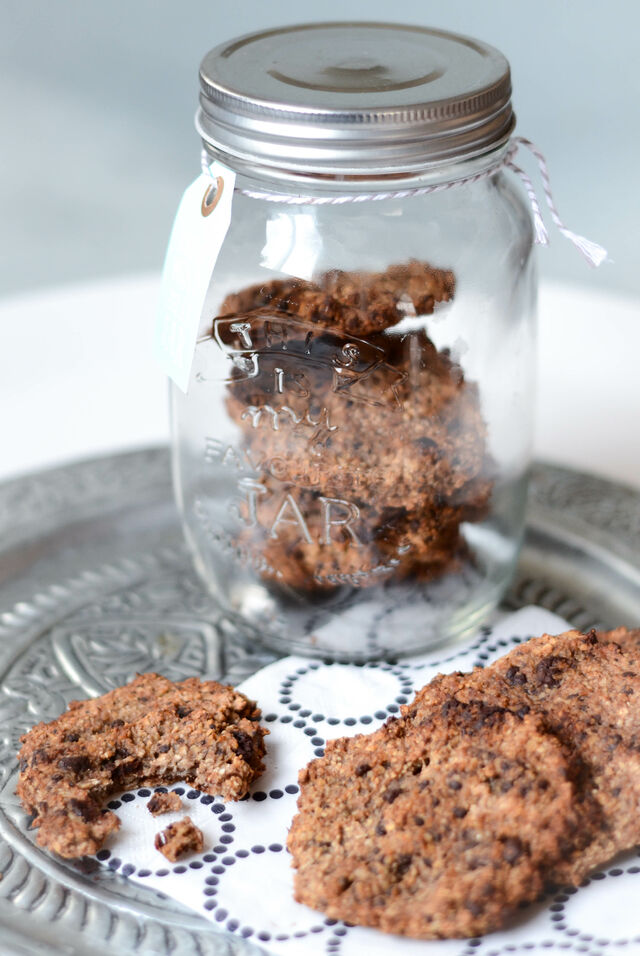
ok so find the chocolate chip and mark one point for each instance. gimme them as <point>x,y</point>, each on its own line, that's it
<point>182,711</point>
<point>402,864</point>
<point>381,829</point>
<point>117,722</point>
<point>459,813</point>
<point>124,772</point>
<point>155,803</point>
<point>362,769</point>
<point>515,676</point>
<point>489,716</point>
<point>85,809</point>
<point>39,756</point>
<point>474,908</point>
<point>246,747</point>
<point>454,784</point>
<point>419,821</point>
<point>450,705</point>
<point>163,748</point>
<point>512,850</point>
<point>71,738</point>
<point>76,763</point>
<point>546,671</point>
<point>425,442</point>
<point>391,793</point>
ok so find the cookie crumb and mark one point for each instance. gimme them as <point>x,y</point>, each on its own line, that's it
<point>178,839</point>
<point>164,803</point>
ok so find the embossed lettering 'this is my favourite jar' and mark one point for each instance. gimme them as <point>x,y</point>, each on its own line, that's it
<point>351,452</point>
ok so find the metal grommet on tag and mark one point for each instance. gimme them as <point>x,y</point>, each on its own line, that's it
<point>212,196</point>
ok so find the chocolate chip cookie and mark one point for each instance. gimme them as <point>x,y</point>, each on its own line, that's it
<point>385,428</point>
<point>578,690</point>
<point>311,541</point>
<point>438,829</point>
<point>406,434</point>
<point>587,690</point>
<point>358,303</point>
<point>149,732</point>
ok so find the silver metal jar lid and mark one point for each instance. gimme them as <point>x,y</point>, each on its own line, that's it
<point>353,99</point>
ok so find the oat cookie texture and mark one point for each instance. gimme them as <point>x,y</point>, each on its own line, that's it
<point>151,731</point>
<point>487,786</point>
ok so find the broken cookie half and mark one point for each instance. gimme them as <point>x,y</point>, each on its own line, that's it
<point>151,731</point>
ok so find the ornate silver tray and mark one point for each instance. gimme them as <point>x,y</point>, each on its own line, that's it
<point>95,585</point>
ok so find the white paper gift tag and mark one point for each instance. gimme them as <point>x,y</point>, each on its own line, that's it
<point>201,223</point>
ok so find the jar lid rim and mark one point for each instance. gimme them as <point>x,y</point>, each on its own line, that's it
<point>350,97</point>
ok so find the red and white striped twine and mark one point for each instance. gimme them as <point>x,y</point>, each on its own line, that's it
<point>594,253</point>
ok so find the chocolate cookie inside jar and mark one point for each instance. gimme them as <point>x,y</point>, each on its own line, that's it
<point>351,454</point>
<point>368,444</point>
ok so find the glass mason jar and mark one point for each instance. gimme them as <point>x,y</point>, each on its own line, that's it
<point>350,459</point>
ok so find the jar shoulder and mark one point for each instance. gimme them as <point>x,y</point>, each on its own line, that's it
<point>482,231</point>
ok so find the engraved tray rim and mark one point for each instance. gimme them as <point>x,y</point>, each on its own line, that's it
<point>595,524</point>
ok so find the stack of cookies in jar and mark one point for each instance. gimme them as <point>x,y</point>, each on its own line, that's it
<point>368,444</point>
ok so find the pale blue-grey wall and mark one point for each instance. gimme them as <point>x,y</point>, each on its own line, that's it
<point>97,102</point>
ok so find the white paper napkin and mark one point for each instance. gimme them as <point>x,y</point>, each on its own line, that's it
<point>243,881</point>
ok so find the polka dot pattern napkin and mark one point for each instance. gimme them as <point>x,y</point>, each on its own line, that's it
<point>242,881</point>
